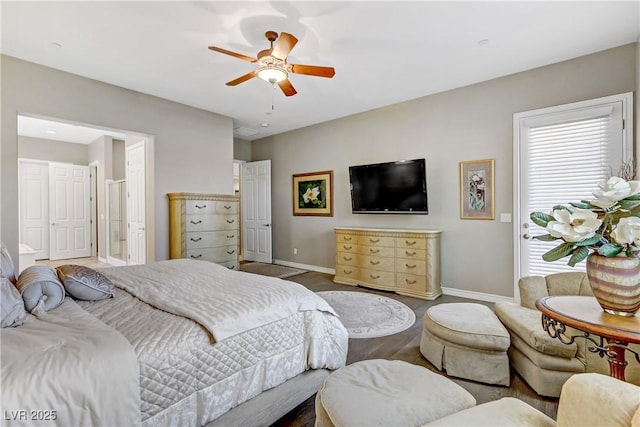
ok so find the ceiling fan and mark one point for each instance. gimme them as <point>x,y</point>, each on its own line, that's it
<point>273,66</point>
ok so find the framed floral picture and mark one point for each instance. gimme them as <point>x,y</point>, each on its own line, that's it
<point>313,194</point>
<point>476,189</point>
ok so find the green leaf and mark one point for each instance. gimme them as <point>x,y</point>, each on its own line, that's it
<point>558,252</point>
<point>610,249</point>
<point>629,251</point>
<point>545,238</point>
<point>561,207</point>
<point>579,255</point>
<point>590,241</point>
<point>540,218</point>
<point>629,204</point>
<point>633,197</point>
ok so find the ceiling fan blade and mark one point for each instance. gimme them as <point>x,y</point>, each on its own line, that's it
<point>313,70</point>
<point>235,54</point>
<point>242,78</point>
<point>287,87</point>
<point>283,46</point>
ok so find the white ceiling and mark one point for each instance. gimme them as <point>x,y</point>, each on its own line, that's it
<point>383,52</point>
<point>59,131</point>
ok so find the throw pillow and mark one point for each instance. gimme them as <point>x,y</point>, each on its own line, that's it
<point>85,283</point>
<point>12,310</point>
<point>40,288</point>
<point>7,269</point>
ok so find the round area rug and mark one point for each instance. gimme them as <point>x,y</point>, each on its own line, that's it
<point>367,315</point>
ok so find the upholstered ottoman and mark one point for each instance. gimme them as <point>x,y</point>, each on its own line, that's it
<point>387,393</point>
<point>468,341</point>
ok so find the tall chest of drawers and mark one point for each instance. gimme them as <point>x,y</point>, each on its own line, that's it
<point>205,227</point>
<point>403,261</point>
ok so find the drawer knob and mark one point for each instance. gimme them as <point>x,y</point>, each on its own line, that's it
<point>227,207</point>
<point>231,221</point>
<point>374,240</point>
<point>348,238</point>
<point>410,282</point>
<point>347,271</point>
<point>347,258</point>
<point>196,240</point>
<point>347,247</point>
<point>231,237</point>
<point>410,266</point>
<point>374,251</point>
<point>374,277</point>
<point>201,206</point>
<point>410,243</point>
<point>374,262</point>
<point>196,222</point>
<point>230,252</point>
<point>409,253</point>
<point>196,256</point>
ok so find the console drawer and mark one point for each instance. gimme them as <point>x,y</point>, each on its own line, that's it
<point>411,266</point>
<point>411,243</point>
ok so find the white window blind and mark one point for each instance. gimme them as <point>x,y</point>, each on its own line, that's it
<point>567,155</point>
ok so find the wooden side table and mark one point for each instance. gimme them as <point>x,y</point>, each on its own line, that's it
<point>614,333</point>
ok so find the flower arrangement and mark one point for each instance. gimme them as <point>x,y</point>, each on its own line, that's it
<point>608,225</point>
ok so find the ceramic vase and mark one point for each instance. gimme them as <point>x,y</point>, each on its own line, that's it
<point>615,282</point>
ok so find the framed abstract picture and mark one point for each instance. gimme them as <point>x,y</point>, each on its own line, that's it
<point>313,194</point>
<point>476,189</point>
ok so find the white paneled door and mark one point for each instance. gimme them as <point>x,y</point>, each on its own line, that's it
<point>69,211</point>
<point>136,208</point>
<point>255,194</point>
<point>34,206</point>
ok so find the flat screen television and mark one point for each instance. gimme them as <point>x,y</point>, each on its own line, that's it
<point>393,187</point>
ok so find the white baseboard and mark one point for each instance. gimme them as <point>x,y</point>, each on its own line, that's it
<point>480,296</point>
<point>103,260</point>
<point>305,266</point>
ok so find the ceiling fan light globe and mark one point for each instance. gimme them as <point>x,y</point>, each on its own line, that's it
<point>272,75</point>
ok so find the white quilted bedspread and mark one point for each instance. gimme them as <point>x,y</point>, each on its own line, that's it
<point>185,380</point>
<point>226,302</point>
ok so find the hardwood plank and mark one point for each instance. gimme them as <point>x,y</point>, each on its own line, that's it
<point>406,346</point>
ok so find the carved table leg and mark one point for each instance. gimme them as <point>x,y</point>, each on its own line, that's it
<point>616,358</point>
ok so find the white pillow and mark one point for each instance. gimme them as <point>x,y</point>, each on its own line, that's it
<point>7,269</point>
<point>12,310</point>
<point>40,288</point>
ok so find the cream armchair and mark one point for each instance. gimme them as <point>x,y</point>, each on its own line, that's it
<point>544,362</point>
<point>586,400</point>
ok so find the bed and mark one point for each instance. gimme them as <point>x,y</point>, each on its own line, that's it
<point>181,343</point>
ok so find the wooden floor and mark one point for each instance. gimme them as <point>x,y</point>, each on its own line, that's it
<point>406,346</point>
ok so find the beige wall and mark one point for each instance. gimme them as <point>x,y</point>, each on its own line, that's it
<point>469,123</point>
<point>193,147</point>
<point>241,149</point>
<point>53,151</point>
<point>118,160</point>
<point>101,154</point>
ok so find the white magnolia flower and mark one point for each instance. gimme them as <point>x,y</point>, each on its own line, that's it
<point>574,227</point>
<point>614,190</point>
<point>311,194</point>
<point>627,231</point>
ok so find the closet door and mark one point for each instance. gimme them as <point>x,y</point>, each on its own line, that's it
<point>69,211</point>
<point>34,206</point>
